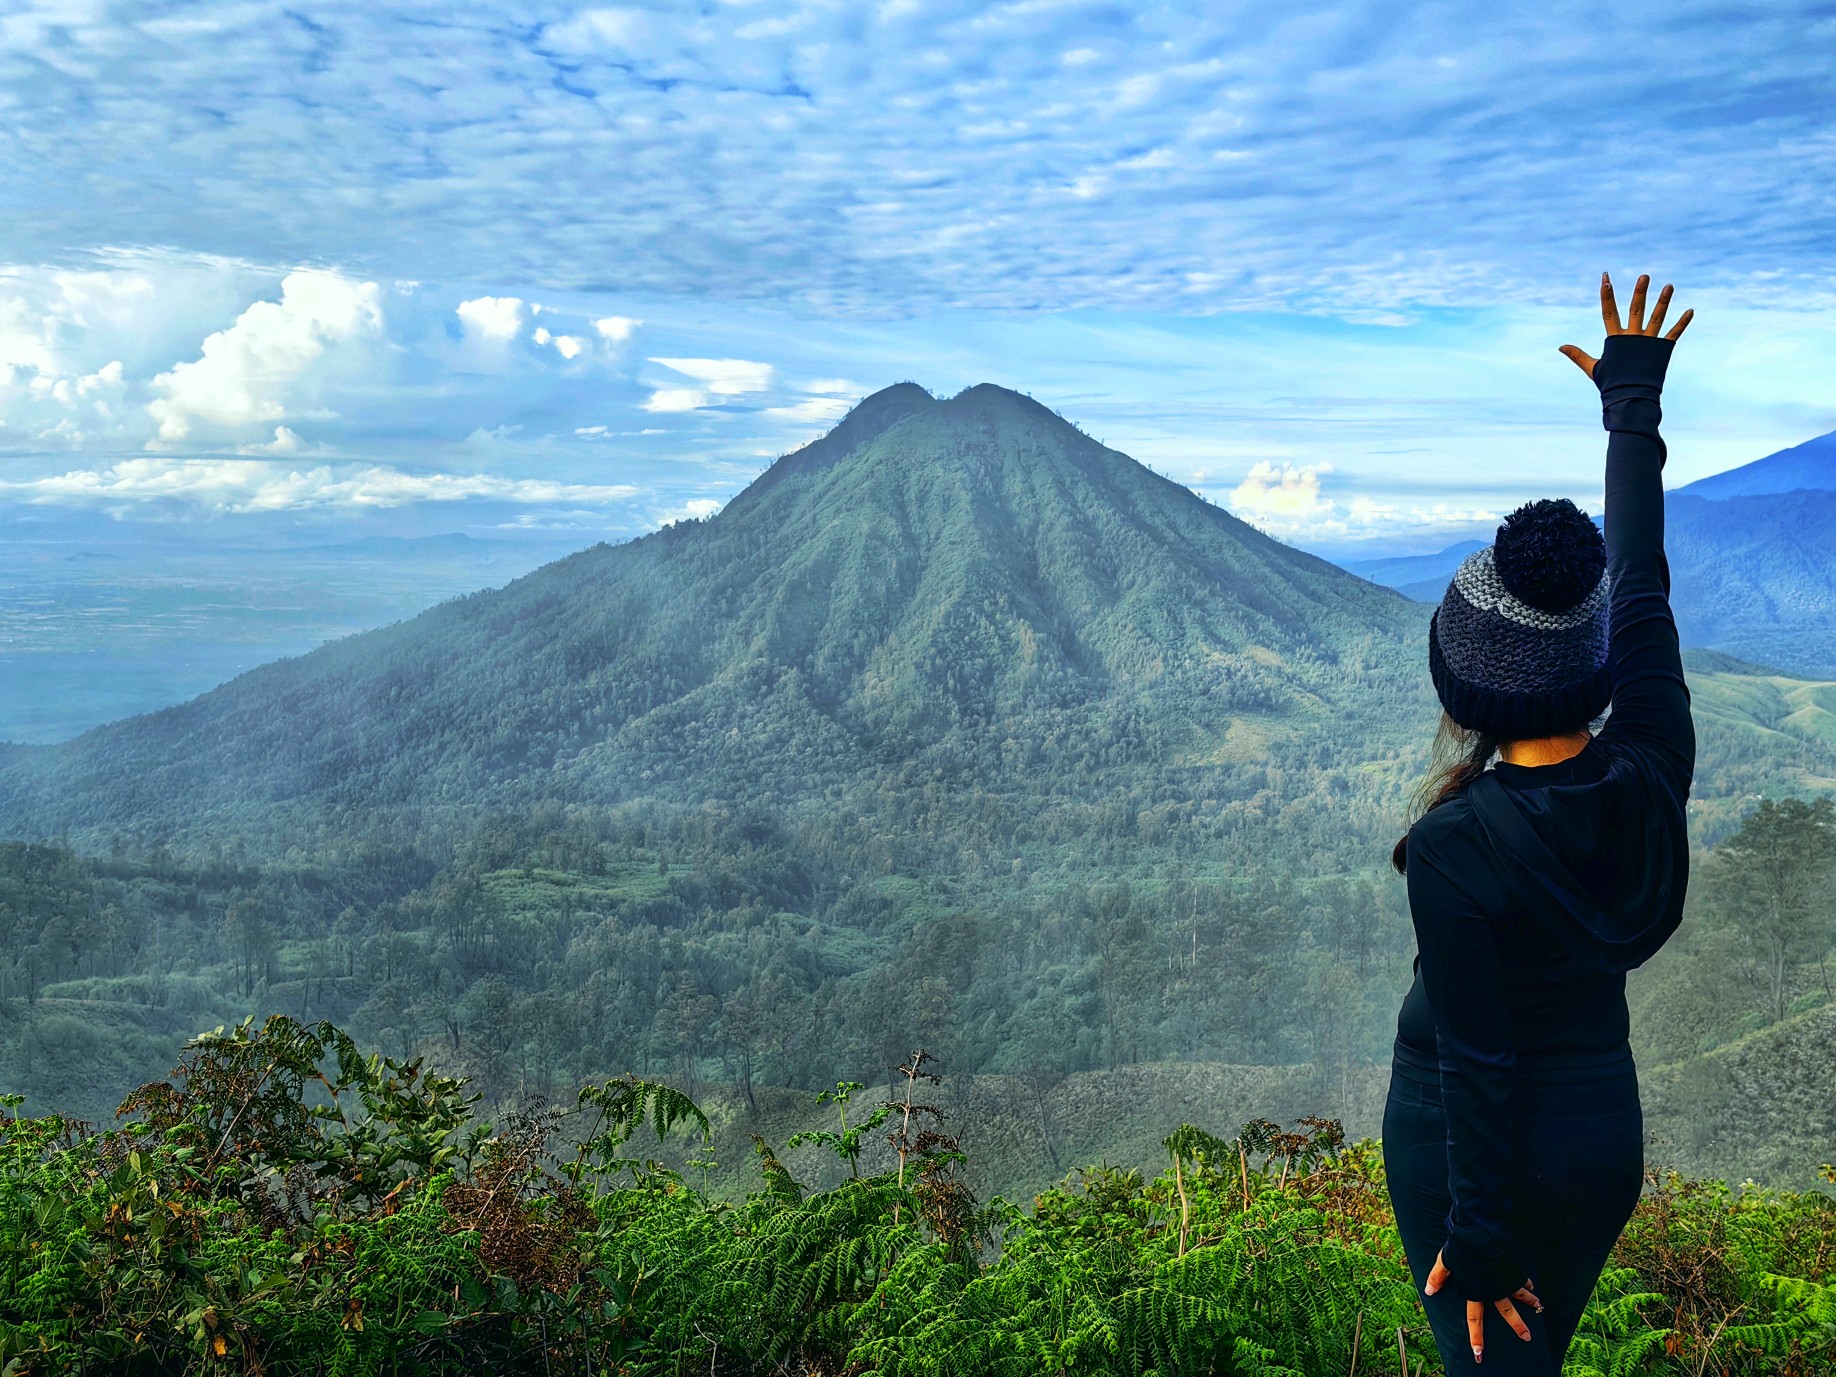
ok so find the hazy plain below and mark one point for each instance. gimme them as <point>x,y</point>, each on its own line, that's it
<point>95,630</point>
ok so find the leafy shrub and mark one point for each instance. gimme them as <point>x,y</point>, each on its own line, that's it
<point>284,1205</point>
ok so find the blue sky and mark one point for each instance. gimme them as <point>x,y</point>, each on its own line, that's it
<point>580,271</point>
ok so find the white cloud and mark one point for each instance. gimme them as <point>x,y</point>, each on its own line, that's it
<point>257,485</point>
<point>616,329</point>
<point>810,411</point>
<point>676,399</point>
<point>695,509</point>
<point>23,340</point>
<point>723,377</point>
<point>1288,500</point>
<point>1286,495</point>
<point>1379,156</point>
<point>496,318</point>
<point>61,410</point>
<point>567,346</point>
<point>597,30</point>
<point>718,378</point>
<point>285,441</point>
<point>245,375</point>
<point>1137,90</point>
<point>68,391</point>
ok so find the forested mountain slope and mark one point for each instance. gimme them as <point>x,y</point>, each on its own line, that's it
<point>1756,576</point>
<point>949,590</point>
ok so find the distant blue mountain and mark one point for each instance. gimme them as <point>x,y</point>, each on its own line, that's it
<point>1809,465</point>
<point>1752,557</point>
<point>1422,577</point>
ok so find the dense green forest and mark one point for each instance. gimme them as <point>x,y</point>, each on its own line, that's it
<point>283,1204</point>
<point>741,955</point>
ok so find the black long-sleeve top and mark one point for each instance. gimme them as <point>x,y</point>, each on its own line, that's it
<point>1533,892</point>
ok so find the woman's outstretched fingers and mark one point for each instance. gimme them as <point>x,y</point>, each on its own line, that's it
<point>1658,312</point>
<point>1582,360</point>
<point>1609,308</point>
<point>1682,324</point>
<point>1475,1329</point>
<point>1527,1294</point>
<point>1635,318</point>
<point>1512,1318</point>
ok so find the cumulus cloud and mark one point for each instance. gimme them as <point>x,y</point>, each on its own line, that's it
<point>248,375</point>
<point>494,318</point>
<point>285,441</point>
<point>567,346</point>
<point>1286,496</point>
<point>74,343</point>
<point>255,485</point>
<point>1289,500</point>
<point>74,409</point>
<point>616,329</point>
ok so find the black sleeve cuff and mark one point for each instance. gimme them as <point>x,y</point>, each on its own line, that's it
<point>1482,1278</point>
<point>1632,366</point>
<point>1630,376</point>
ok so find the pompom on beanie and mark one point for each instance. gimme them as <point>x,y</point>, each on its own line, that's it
<point>1519,645</point>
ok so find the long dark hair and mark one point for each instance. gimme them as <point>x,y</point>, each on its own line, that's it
<point>1459,757</point>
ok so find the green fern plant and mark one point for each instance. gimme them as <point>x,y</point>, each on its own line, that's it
<point>1613,1338</point>
<point>1804,1327</point>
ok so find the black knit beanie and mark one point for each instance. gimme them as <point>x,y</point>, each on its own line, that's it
<point>1519,645</point>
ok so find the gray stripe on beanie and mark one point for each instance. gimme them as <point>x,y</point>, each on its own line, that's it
<point>1495,642</point>
<point>1493,652</point>
<point>1479,583</point>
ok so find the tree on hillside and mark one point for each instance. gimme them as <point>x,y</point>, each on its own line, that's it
<point>1774,876</point>
<point>250,938</point>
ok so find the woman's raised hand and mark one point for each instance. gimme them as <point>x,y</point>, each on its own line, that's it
<point>1636,323</point>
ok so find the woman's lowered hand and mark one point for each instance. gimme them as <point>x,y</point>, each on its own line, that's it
<point>1475,1310</point>
<point>1636,322</point>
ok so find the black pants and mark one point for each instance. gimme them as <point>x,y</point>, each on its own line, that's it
<point>1582,1137</point>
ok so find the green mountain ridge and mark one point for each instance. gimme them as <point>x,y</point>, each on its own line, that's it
<point>931,580</point>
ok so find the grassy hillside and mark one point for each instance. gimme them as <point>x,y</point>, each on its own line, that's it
<point>1761,1107</point>
<point>1758,732</point>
